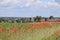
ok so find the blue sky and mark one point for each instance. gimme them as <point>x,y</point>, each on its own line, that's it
<point>29,8</point>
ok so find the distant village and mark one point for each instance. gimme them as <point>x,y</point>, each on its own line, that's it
<point>28,19</point>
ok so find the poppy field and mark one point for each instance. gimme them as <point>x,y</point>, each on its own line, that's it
<point>30,31</point>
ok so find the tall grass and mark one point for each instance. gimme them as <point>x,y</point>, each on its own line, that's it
<point>26,31</point>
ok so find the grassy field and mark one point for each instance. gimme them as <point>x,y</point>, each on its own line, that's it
<point>30,31</point>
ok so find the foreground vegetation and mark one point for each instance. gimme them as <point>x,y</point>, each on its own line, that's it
<point>30,31</point>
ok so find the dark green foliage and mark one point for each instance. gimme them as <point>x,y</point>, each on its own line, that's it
<point>51,17</point>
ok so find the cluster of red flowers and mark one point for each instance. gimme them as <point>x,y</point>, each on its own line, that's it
<point>2,29</point>
<point>29,26</point>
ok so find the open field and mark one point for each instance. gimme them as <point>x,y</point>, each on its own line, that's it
<point>30,31</point>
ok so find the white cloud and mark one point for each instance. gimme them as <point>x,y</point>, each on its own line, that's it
<point>25,3</point>
<point>8,4</point>
<point>39,4</point>
<point>3,2</point>
<point>53,4</point>
<point>28,3</point>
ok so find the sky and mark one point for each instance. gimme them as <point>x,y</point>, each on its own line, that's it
<point>29,8</point>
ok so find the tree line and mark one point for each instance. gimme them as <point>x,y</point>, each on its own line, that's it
<point>24,20</point>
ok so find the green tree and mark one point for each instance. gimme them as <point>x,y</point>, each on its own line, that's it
<point>38,18</point>
<point>51,17</point>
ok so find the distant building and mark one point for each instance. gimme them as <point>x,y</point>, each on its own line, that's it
<point>57,19</point>
<point>9,21</point>
<point>42,20</point>
<point>32,19</point>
